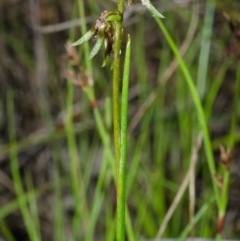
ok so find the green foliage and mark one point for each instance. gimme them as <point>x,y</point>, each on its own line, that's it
<point>86,176</point>
<point>84,38</point>
<point>98,44</point>
<point>152,9</point>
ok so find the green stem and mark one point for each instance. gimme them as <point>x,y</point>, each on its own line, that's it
<point>75,171</point>
<point>116,124</point>
<point>106,142</point>
<point>121,184</point>
<point>120,6</point>
<point>115,91</point>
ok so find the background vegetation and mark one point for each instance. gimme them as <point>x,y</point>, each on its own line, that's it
<point>56,142</point>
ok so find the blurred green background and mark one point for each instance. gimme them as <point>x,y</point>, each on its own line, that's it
<point>56,182</point>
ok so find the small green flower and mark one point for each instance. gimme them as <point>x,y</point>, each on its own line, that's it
<point>103,32</point>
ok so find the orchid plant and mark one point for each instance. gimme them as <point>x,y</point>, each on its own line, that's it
<point>102,33</point>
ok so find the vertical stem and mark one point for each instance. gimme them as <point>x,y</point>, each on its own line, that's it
<point>116,82</point>
<point>116,122</point>
<point>75,171</point>
<point>120,6</point>
<point>121,183</point>
<point>115,93</point>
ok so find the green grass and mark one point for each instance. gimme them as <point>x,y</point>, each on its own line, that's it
<point>76,175</point>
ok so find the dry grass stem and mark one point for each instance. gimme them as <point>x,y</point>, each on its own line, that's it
<point>182,188</point>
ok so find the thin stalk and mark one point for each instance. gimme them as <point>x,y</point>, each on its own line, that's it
<point>115,92</point>
<point>75,172</point>
<point>121,184</point>
<point>116,83</point>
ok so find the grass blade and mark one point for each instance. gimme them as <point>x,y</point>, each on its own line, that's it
<point>121,182</point>
<point>98,45</point>
<point>84,38</point>
<point>152,9</point>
